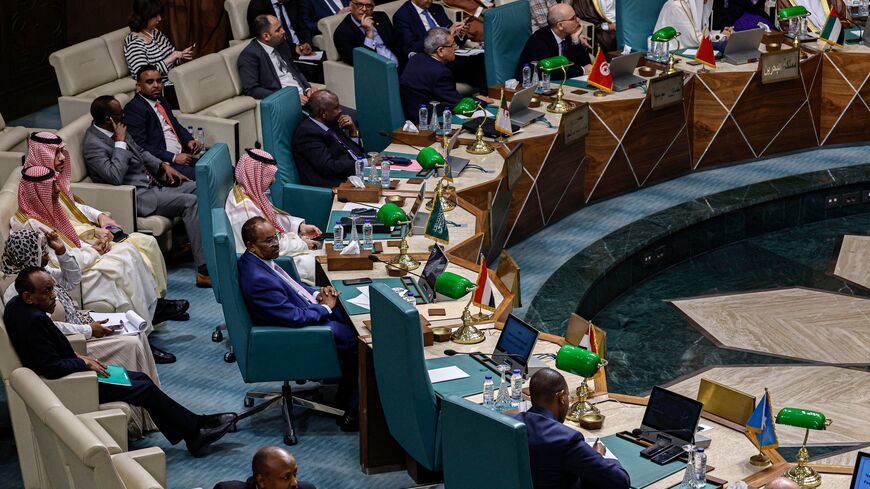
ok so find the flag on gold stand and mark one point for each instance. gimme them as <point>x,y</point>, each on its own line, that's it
<point>600,76</point>
<point>705,54</point>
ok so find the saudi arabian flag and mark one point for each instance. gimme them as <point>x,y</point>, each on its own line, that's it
<point>833,32</point>
<point>436,225</point>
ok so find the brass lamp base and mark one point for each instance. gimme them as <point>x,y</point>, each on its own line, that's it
<point>448,197</point>
<point>600,93</point>
<point>560,106</point>
<point>759,460</point>
<point>467,334</point>
<point>481,317</point>
<point>803,474</point>
<point>582,407</point>
<point>479,146</point>
<point>405,261</point>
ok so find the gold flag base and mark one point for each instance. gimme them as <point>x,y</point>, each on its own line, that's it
<point>582,407</point>
<point>600,93</point>
<point>759,460</point>
<point>481,317</point>
<point>467,334</point>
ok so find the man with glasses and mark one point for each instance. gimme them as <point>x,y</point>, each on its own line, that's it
<point>314,10</point>
<point>366,28</point>
<point>562,37</point>
<point>559,456</point>
<point>274,298</point>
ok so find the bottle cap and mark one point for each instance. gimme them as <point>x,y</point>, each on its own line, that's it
<point>516,371</point>
<point>368,221</point>
<point>338,222</point>
<point>487,377</point>
<point>423,105</point>
<point>700,450</point>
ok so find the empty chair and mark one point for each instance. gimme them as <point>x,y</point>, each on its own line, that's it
<point>379,105</point>
<point>505,31</point>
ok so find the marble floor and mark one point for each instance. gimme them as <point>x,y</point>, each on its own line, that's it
<point>853,260</point>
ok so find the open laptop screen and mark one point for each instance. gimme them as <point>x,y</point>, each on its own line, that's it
<point>861,477</point>
<point>515,343</point>
<point>675,415</point>
<point>435,265</point>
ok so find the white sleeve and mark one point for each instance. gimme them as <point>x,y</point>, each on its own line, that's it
<point>91,213</point>
<point>70,328</point>
<point>70,274</point>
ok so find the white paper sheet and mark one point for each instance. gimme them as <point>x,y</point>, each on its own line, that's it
<point>362,300</point>
<point>314,56</point>
<point>469,52</point>
<point>607,455</point>
<point>353,206</point>
<point>132,323</point>
<point>446,373</point>
<point>690,53</point>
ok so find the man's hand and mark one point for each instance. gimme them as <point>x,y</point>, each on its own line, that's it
<point>187,54</point>
<point>194,145</point>
<point>102,246</point>
<point>458,29</point>
<point>183,159</point>
<point>368,23</point>
<point>309,231</point>
<point>485,100</point>
<point>312,245</point>
<point>98,329</point>
<point>105,221</point>
<point>95,365</point>
<point>587,69</point>
<point>611,26</point>
<point>599,447</point>
<point>578,37</point>
<point>55,243</point>
<point>102,234</point>
<point>303,49</point>
<point>327,300</point>
<point>303,100</point>
<point>328,290</point>
<point>727,31</point>
<point>120,130</point>
<point>173,177</point>
<point>345,122</point>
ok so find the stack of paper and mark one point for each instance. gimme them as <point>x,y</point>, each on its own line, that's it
<point>362,300</point>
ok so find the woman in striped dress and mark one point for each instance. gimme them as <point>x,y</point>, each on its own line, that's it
<point>146,45</point>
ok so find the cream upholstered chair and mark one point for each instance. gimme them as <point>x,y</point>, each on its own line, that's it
<point>337,74</point>
<point>237,10</point>
<point>82,451</point>
<point>89,69</point>
<point>13,147</point>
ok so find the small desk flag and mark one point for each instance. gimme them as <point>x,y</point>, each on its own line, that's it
<point>833,33</point>
<point>436,225</point>
<point>705,52</point>
<point>483,297</point>
<point>588,340</point>
<point>503,117</point>
<point>760,428</point>
<point>600,76</point>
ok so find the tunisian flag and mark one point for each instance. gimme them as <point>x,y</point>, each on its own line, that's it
<point>600,76</point>
<point>705,52</point>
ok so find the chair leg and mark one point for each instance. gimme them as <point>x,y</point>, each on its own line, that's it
<point>287,399</point>
<point>218,335</point>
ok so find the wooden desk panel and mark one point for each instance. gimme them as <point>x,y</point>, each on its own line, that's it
<point>845,96</point>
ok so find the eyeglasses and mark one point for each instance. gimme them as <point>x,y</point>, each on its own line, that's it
<point>570,19</point>
<point>271,239</point>
<point>364,6</point>
<point>449,46</point>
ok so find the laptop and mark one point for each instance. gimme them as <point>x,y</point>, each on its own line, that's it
<point>866,37</point>
<point>521,114</point>
<point>742,47</point>
<point>622,70</point>
<point>514,346</point>
<point>670,419</point>
<point>861,476</point>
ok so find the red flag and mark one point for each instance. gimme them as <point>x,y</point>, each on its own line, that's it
<point>588,340</point>
<point>705,52</point>
<point>600,76</point>
<point>483,297</point>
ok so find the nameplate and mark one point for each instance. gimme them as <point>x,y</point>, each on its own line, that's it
<point>575,124</point>
<point>779,66</point>
<point>666,91</point>
<point>513,164</point>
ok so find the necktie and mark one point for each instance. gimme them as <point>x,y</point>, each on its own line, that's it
<point>563,47</point>
<point>299,289</point>
<point>340,138</point>
<point>429,19</point>
<point>279,8</point>
<point>331,6</point>
<point>285,68</point>
<point>167,119</point>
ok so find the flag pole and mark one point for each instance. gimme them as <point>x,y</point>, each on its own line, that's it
<point>480,316</point>
<point>760,459</point>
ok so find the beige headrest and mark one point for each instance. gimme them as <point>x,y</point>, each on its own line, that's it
<point>73,135</point>
<point>83,66</point>
<point>202,83</point>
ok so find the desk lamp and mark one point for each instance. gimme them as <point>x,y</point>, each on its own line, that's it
<point>429,158</point>
<point>467,107</point>
<point>392,215</point>
<point>454,287</point>
<point>582,362</point>
<point>802,473</point>
<point>797,24</point>
<point>662,52</point>
<point>554,63</point>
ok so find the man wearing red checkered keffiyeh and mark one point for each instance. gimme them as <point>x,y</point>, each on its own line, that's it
<point>37,199</point>
<point>47,149</point>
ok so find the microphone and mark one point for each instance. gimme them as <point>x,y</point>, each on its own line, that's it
<point>452,352</point>
<point>391,136</point>
<point>484,358</point>
<point>344,200</point>
<point>376,258</point>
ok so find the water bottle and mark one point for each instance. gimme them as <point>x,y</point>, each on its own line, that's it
<point>447,123</point>
<point>385,173</point>
<point>527,76</point>
<point>424,118</point>
<point>338,236</point>
<point>409,298</point>
<point>700,463</point>
<point>488,392</point>
<point>368,242</point>
<point>200,136</point>
<point>516,387</point>
<point>190,130</point>
<point>359,167</point>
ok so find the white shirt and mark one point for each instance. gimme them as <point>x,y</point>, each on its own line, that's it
<point>423,19</point>
<point>173,145</point>
<point>277,6</point>
<point>118,144</point>
<point>271,264</point>
<point>284,75</point>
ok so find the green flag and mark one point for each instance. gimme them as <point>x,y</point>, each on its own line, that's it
<point>436,225</point>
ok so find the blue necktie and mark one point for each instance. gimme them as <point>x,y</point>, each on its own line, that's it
<point>338,138</point>
<point>430,20</point>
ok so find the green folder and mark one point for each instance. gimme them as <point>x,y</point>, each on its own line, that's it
<point>117,376</point>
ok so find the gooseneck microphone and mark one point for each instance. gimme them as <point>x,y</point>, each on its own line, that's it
<point>344,200</point>
<point>376,258</point>
<point>400,141</point>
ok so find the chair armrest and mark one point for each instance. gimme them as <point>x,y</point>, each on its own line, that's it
<point>118,200</point>
<point>78,391</point>
<point>9,162</point>
<point>217,130</point>
<point>289,266</point>
<point>312,350</point>
<point>79,343</point>
<point>153,460</point>
<point>310,203</point>
<point>136,475</point>
<point>110,426</point>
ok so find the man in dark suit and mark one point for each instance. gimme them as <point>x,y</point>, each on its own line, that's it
<point>274,298</point>
<point>273,468</point>
<point>314,10</point>
<point>296,33</point>
<point>427,78</point>
<point>150,121</point>
<point>265,65</point>
<point>45,350</point>
<point>562,37</point>
<point>366,28</point>
<point>326,143</point>
<point>558,454</point>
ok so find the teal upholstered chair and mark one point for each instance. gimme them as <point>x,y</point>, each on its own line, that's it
<point>378,103</point>
<point>406,393</point>
<point>505,31</point>
<point>504,463</point>
<point>636,19</point>
<point>280,113</point>
<point>269,353</point>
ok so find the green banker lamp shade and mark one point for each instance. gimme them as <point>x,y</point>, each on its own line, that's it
<point>585,363</point>
<point>803,474</point>
<point>554,63</point>
<point>452,285</point>
<point>792,12</point>
<point>429,158</point>
<point>465,107</point>
<point>391,215</point>
<point>664,34</point>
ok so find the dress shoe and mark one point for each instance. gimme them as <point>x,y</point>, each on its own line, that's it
<point>162,356</point>
<point>349,423</point>
<point>206,436</point>
<point>217,420</point>
<point>203,281</point>
<point>180,254</point>
<point>181,305</point>
<point>168,310</point>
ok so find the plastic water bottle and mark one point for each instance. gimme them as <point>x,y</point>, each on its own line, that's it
<point>200,136</point>
<point>190,130</point>
<point>700,463</point>
<point>424,118</point>
<point>409,298</point>
<point>338,236</point>
<point>488,392</point>
<point>359,167</point>
<point>447,122</point>
<point>385,173</point>
<point>527,76</point>
<point>516,387</point>
<point>368,242</point>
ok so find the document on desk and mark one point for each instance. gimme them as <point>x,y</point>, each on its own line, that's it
<point>444,374</point>
<point>362,300</point>
<point>690,53</point>
<point>314,56</point>
<point>469,52</point>
<point>126,324</point>
<point>352,206</point>
<point>607,455</point>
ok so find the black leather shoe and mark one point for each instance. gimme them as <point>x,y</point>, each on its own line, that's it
<point>205,437</point>
<point>349,423</point>
<point>170,310</point>
<point>217,420</point>
<point>162,356</point>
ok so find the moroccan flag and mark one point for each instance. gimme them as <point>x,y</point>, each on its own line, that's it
<point>760,428</point>
<point>705,52</point>
<point>600,76</point>
<point>833,32</point>
<point>503,117</point>
<point>436,225</point>
<point>483,297</point>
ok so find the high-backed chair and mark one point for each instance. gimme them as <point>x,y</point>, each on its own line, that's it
<point>390,7</point>
<point>505,462</point>
<point>379,105</point>
<point>505,31</point>
<point>237,11</point>
<point>337,74</point>
<point>78,450</point>
<point>280,113</point>
<point>13,147</point>
<point>636,21</point>
<point>403,383</point>
<point>87,70</point>
<point>8,205</point>
<point>270,353</point>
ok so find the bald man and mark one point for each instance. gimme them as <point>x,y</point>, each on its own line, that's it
<point>561,37</point>
<point>273,468</point>
<point>782,483</point>
<point>559,457</point>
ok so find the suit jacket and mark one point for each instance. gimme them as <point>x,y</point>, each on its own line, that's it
<point>116,166</point>
<point>426,79</point>
<point>251,484</point>
<point>560,459</point>
<point>411,30</point>
<point>257,73</point>
<point>348,36</point>
<point>39,344</point>
<point>542,44</point>
<point>292,7</point>
<point>320,159</point>
<point>146,129</point>
<point>314,10</point>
